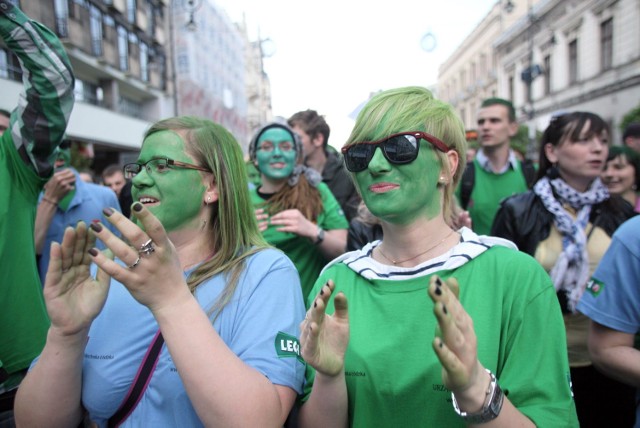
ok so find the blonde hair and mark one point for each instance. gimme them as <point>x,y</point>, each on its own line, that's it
<point>414,108</point>
<point>232,227</point>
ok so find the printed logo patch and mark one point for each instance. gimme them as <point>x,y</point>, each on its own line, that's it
<point>595,287</point>
<point>288,346</point>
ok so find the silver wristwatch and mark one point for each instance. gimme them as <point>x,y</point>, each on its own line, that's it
<point>320,236</point>
<point>491,407</point>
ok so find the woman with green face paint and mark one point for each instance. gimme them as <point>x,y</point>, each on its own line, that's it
<point>295,211</point>
<point>194,276</point>
<point>439,321</point>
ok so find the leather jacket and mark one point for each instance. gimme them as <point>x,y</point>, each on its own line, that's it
<point>361,233</point>
<point>523,219</point>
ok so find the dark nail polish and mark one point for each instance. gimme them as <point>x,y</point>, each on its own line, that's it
<point>93,251</point>
<point>315,304</point>
<point>444,309</point>
<point>96,227</point>
<point>438,282</point>
<point>107,212</point>
<point>137,207</point>
<point>438,291</point>
<point>322,291</point>
<point>440,344</point>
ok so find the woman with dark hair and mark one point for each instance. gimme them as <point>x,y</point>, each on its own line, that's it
<point>412,348</point>
<point>296,211</point>
<point>566,222</point>
<point>194,274</point>
<point>621,175</point>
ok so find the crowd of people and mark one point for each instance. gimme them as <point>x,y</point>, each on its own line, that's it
<point>395,282</point>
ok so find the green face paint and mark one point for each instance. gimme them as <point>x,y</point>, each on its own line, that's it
<point>276,154</point>
<point>174,196</point>
<point>63,160</point>
<point>401,194</point>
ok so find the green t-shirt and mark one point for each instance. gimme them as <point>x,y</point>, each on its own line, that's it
<point>36,129</point>
<point>393,375</point>
<point>488,190</point>
<point>303,253</point>
<point>23,318</point>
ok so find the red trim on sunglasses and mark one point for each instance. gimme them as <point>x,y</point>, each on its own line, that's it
<point>435,142</point>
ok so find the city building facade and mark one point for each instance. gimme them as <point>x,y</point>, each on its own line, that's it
<point>548,57</point>
<point>470,74</point>
<point>138,61</point>
<point>572,55</point>
<point>118,49</point>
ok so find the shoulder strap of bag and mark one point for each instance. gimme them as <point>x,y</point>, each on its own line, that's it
<point>140,382</point>
<point>466,184</point>
<point>529,172</point>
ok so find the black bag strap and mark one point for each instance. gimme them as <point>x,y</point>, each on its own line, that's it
<point>466,184</point>
<point>468,180</point>
<point>529,172</point>
<point>140,383</point>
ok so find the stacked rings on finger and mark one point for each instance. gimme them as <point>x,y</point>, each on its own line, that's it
<point>147,248</point>
<point>134,263</point>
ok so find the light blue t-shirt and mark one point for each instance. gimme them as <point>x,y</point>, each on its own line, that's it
<point>259,324</point>
<point>87,205</point>
<point>612,297</point>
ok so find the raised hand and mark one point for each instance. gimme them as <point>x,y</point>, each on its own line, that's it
<point>456,344</point>
<point>293,221</point>
<point>73,297</point>
<point>324,338</point>
<point>59,185</point>
<point>262,218</point>
<point>152,271</point>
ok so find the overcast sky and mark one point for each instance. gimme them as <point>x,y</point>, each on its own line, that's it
<point>330,55</point>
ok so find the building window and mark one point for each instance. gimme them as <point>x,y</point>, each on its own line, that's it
<point>131,11</point>
<point>88,92</point>
<point>62,16</point>
<point>123,49</point>
<point>606,44</point>
<point>510,89</point>
<point>573,61</point>
<point>128,107</point>
<point>144,62</point>
<point>547,74</point>
<point>96,31</point>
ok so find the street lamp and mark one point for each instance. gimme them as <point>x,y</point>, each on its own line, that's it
<point>192,7</point>
<point>428,42</point>
<point>528,75</point>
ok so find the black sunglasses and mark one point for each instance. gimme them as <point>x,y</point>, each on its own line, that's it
<point>398,149</point>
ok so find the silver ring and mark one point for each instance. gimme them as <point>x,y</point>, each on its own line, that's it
<point>147,248</point>
<point>134,263</point>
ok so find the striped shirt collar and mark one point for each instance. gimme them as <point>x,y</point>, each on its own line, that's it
<point>470,246</point>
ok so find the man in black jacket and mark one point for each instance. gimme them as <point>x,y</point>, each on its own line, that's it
<point>314,133</point>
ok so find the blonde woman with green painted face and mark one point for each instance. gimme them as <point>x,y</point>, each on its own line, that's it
<point>195,269</point>
<point>440,323</point>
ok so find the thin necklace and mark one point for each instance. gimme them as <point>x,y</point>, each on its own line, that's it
<point>396,262</point>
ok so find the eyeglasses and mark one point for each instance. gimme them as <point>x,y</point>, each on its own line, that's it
<point>268,146</point>
<point>158,166</point>
<point>398,149</point>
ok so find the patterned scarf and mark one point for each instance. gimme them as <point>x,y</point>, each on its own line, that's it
<point>312,176</point>
<point>571,271</point>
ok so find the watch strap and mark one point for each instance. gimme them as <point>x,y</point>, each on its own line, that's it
<point>491,407</point>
